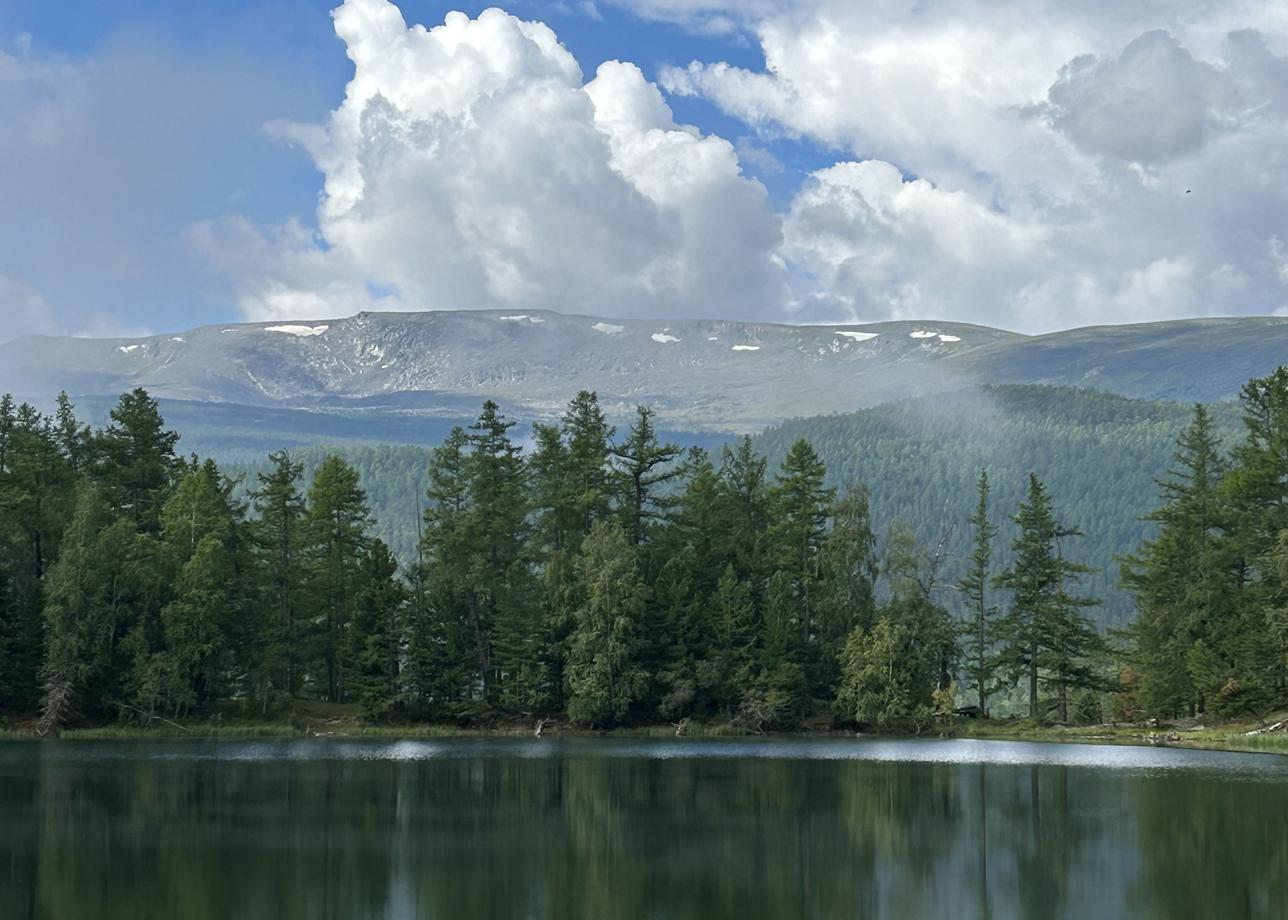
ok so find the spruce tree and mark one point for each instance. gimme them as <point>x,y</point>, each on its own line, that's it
<point>337,540</point>
<point>1044,637</point>
<point>644,466</point>
<point>137,459</point>
<point>800,502</point>
<point>199,533</point>
<point>378,638</point>
<point>1182,577</point>
<point>500,588</point>
<point>745,494</point>
<point>278,535</point>
<point>442,656</point>
<point>978,630</point>
<point>589,439</point>
<point>1237,667</point>
<point>37,487</point>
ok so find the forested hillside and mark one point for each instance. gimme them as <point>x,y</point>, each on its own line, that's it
<point>920,459</point>
<point>395,477</point>
<point>610,577</point>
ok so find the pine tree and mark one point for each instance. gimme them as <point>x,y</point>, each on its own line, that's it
<point>978,631</point>
<point>604,677</point>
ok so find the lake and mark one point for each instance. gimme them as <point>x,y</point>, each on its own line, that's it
<point>607,828</point>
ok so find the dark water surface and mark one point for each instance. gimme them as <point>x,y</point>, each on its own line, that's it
<point>703,829</point>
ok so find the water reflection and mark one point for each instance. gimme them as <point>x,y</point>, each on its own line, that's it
<point>638,829</point>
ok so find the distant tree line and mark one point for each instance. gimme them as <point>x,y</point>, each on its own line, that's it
<point>609,580</point>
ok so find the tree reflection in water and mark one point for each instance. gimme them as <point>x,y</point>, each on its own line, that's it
<point>585,829</point>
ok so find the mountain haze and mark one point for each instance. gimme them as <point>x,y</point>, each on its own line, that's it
<point>701,375</point>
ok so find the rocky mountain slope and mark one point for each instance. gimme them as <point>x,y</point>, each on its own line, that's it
<point>700,374</point>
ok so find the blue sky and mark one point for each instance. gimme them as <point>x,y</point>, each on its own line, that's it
<point>1023,166</point>
<point>300,70</point>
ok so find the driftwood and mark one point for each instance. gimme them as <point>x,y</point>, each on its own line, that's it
<point>681,728</point>
<point>541,726</point>
<point>1270,729</point>
<point>150,716</point>
<point>58,701</point>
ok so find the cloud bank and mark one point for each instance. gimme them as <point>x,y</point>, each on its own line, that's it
<point>1026,164</point>
<point>471,165</point>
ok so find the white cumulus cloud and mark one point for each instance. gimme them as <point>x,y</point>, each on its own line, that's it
<point>1026,163</point>
<point>1032,164</point>
<point>471,165</point>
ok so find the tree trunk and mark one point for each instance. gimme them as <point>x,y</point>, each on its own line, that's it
<point>1033,685</point>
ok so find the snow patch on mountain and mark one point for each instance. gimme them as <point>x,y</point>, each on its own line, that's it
<point>608,328</point>
<point>746,348</point>
<point>663,338</point>
<point>857,336</point>
<point>129,349</point>
<point>301,331</point>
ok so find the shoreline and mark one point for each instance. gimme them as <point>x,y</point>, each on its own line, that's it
<point>1235,737</point>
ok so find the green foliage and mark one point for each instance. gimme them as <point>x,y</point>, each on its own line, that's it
<point>617,583</point>
<point>604,677</point>
<point>979,627</point>
<point>1210,585</point>
<point>1043,636</point>
<point>920,460</point>
<point>876,688</point>
<point>378,636</point>
<point>337,540</point>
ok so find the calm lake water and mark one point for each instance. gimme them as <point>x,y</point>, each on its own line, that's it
<point>638,829</point>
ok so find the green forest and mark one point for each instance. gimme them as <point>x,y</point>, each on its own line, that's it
<point>919,459</point>
<point>610,578</point>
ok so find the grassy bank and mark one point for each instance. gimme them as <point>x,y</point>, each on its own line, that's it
<point>1223,736</point>
<point>320,720</point>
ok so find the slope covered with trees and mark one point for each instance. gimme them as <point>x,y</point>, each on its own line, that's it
<point>612,578</point>
<point>921,459</point>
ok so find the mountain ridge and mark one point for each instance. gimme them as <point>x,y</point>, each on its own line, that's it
<point>699,374</point>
